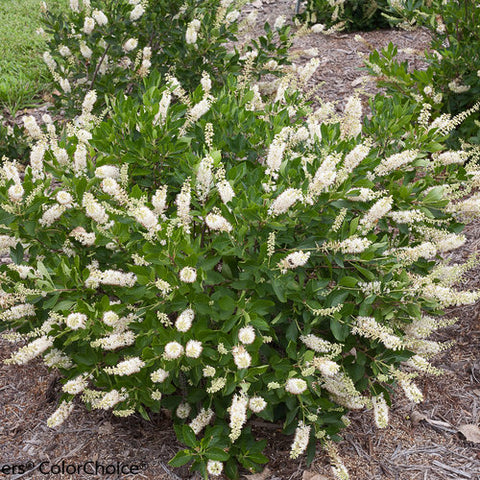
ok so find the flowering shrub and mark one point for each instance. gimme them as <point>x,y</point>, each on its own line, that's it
<point>349,14</point>
<point>12,142</point>
<point>111,46</point>
<point>451,83</point>
<point>225,257</point>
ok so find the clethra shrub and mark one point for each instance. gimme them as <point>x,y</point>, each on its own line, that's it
<point>226,257</point>
<point>111,45</point>
<point>337,15</point>
<point>450,84</point>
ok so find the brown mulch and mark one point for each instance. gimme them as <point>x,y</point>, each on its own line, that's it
<point>422,442</point>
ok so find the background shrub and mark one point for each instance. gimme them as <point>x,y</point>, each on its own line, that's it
<point>349,14</point>
<point>223,256</point>
<point>111,45</point>
<point>451,83</point>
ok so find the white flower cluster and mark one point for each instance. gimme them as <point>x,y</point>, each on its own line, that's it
<point>450,158</point>
<point>412,392</point>
<point>456,87</point>
<point>110,277</point>
<point>378,210</point>
<point>225,191</point>
<point>76,321</point>
<point>425,250</point>
<point>173,350</point>
<point>30,351</point>
<point>368,327</point>
<point>339,470</point>
<point>293,260</point>
<point>354,158</point>
<point>76,385</point>
<point>193,349</point>
<point>257,404</point>
<point>327,368</point>
<point>380,411</point>
<point>371,288</point>
<point>183,205</point>
<point>343,391</point>
<point>164,287</point>
<point>362,194</point>
<point>351,123</point>
<point>394,162</point>
<point>192,32</point>
<point>60,414</point>
<point>218,223</point>
<point>108,400</point>
<point>352,245</point>
<point>284,201</point>
<point>275,154</point>
<point>246,335</point>
<point>295,386</point>
<point>183,410</point>
<point>217,385</point>
<point>36,161</point>
<point>238,415</point>
<point>197,111</point>
<point>203,418</point>
<point>319,345</point>
<point>214,467</point>
<point>57,359</point>
<point>159,375</point>
<point>115,340</point>
<point>424,326</point>
<point>137,12</point>
<point>159,200</point>
<point>93,209</point>
<point>188,275</point>
<point>146,218</point>
<point>163,106</point>
<point>126,367</point>
<point>300,441</point>
<point>407,216</point>
<point>7,242</point>
<point>184,320</point>
<point>241,357</point>
<point>52,214</point>
<point>18,311</point>
<point>204,177</point>
<point>324,177</point>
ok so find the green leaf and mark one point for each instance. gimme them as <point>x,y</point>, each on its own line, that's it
<point>6,218</point>
<point>231,469</point>
<point>340,331</point>
<point>189,437</point>
<point>278,289</point>
<point>217,454</point>
<point>181,458</point>
<point>348,281</point>
<point>16,254</point>
<point>292,332</point>
<point>227,304</point>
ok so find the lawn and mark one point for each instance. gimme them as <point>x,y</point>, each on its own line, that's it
<point>23,75</point>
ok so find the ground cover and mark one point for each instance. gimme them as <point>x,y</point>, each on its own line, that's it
<point>23,76</point>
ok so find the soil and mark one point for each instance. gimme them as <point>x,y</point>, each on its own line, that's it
<point>422,442</point>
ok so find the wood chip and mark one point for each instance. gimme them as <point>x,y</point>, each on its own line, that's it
<point>310,475</point>
<point>448,468</point>
<point>470,432</point>
<point>259,476</point>
<point>418,417</point>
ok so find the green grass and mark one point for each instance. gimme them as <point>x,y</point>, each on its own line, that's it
<point>23,74</point>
